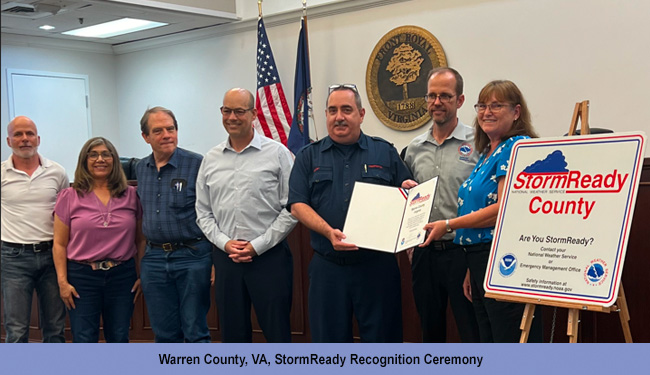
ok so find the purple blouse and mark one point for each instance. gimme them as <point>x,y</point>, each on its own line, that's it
<point>99,232</point>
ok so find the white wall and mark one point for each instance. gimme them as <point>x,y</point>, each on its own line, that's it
<point>558,52</point>
<point>98,65</point>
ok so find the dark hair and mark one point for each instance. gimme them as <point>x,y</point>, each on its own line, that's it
<point>144,121</point>
<point>349,87</point>
<point>444,69</point>
<point>504,91</point>
<point>83,180</point>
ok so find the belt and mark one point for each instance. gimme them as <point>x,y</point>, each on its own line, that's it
<point>36,247</point>
<point>483,246</point>
<point>171,246</point>
<point>443,245</point>
<point>103,265</point>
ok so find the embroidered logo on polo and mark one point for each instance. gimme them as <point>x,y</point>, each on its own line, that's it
<point>465,151</point>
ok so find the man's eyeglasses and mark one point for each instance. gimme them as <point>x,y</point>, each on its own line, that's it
<point>92,156</point>
<point>494,107</point>
<point>350,86</point>
<point>239,112</point>
<point>444,98</point>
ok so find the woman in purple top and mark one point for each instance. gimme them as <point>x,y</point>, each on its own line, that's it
<point>97,235</point>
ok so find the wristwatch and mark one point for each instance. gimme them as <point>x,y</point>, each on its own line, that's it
<point>449,230</point>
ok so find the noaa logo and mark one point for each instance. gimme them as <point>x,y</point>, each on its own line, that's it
<point>465,149</point>
<point>507,265</point>
<point>596,272</point>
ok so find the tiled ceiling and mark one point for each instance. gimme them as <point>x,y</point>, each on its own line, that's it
<point>25,17</point>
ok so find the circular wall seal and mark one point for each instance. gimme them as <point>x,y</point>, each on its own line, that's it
<point>396,78</point>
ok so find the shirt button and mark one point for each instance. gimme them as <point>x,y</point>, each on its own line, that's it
<point>347,184</point>
<point>157,211</point>
<point>158,195</point>
<point>347,166</point>
<point>159,178</point>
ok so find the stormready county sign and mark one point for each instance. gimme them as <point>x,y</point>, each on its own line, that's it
<point>565,216</point>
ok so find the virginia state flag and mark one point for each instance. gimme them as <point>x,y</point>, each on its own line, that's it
<point>299,132</point>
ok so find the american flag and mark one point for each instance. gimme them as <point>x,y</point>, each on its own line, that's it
<point>273,115</point>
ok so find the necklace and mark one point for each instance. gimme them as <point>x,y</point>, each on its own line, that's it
<point>106,218</point>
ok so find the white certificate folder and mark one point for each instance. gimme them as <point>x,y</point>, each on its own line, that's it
<point>387,218</point>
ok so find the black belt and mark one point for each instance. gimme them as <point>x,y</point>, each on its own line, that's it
<point>36,247</point>
<point>483,246</point>
<point>171,246</point>
<point>443,245</point>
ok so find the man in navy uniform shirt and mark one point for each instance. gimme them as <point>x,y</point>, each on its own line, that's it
<point>343,279</point>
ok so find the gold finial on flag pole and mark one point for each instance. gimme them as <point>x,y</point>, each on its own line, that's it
<point>259,8</point>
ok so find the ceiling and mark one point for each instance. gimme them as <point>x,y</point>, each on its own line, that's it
<point>24,17</point>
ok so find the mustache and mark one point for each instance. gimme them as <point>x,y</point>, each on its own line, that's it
<point>340,123</point>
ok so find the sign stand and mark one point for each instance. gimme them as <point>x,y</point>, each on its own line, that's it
<point>581,112</point>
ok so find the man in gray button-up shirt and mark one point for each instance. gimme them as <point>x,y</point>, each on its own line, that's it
<point>446,150</point>
<point>242,191</point>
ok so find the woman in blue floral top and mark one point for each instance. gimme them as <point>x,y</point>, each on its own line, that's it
<point>502,119</point>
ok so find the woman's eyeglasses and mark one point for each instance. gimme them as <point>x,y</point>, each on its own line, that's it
<point>92,156</point>
<point>494,107</point>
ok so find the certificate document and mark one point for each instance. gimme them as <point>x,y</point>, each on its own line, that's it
<point>387,218</point>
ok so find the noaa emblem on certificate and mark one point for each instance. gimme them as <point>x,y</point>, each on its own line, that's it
<point>396,77</point>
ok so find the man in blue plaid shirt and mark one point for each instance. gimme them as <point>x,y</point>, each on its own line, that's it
<point>175,268</point>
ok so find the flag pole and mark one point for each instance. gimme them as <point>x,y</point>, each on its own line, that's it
<point>304,17</point>
<point>259,8</point>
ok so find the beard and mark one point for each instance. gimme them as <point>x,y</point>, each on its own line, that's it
<point>25,153</point>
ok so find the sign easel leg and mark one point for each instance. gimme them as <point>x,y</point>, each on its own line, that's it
<point>624,315</point>
<point>572,325</point>
<point>526,321</point>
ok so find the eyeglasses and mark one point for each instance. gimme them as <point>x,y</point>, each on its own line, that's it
<point>239,112</point>
<point>494,107</point>
<point>444,98</point>
<point>350,86</point>
<point>92,156</point>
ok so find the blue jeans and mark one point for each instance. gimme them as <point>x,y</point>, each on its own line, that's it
<point>22,272</point>
<point>106,294</point>
<point>176,287</point>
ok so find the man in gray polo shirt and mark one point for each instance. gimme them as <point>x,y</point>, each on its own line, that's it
<point>446,150</point>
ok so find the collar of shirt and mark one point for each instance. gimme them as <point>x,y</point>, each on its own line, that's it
<point>461,132</point>
<point>44,163</point>
<point>256,142</point>
<point>328,143</point>
<point>173,161</point>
